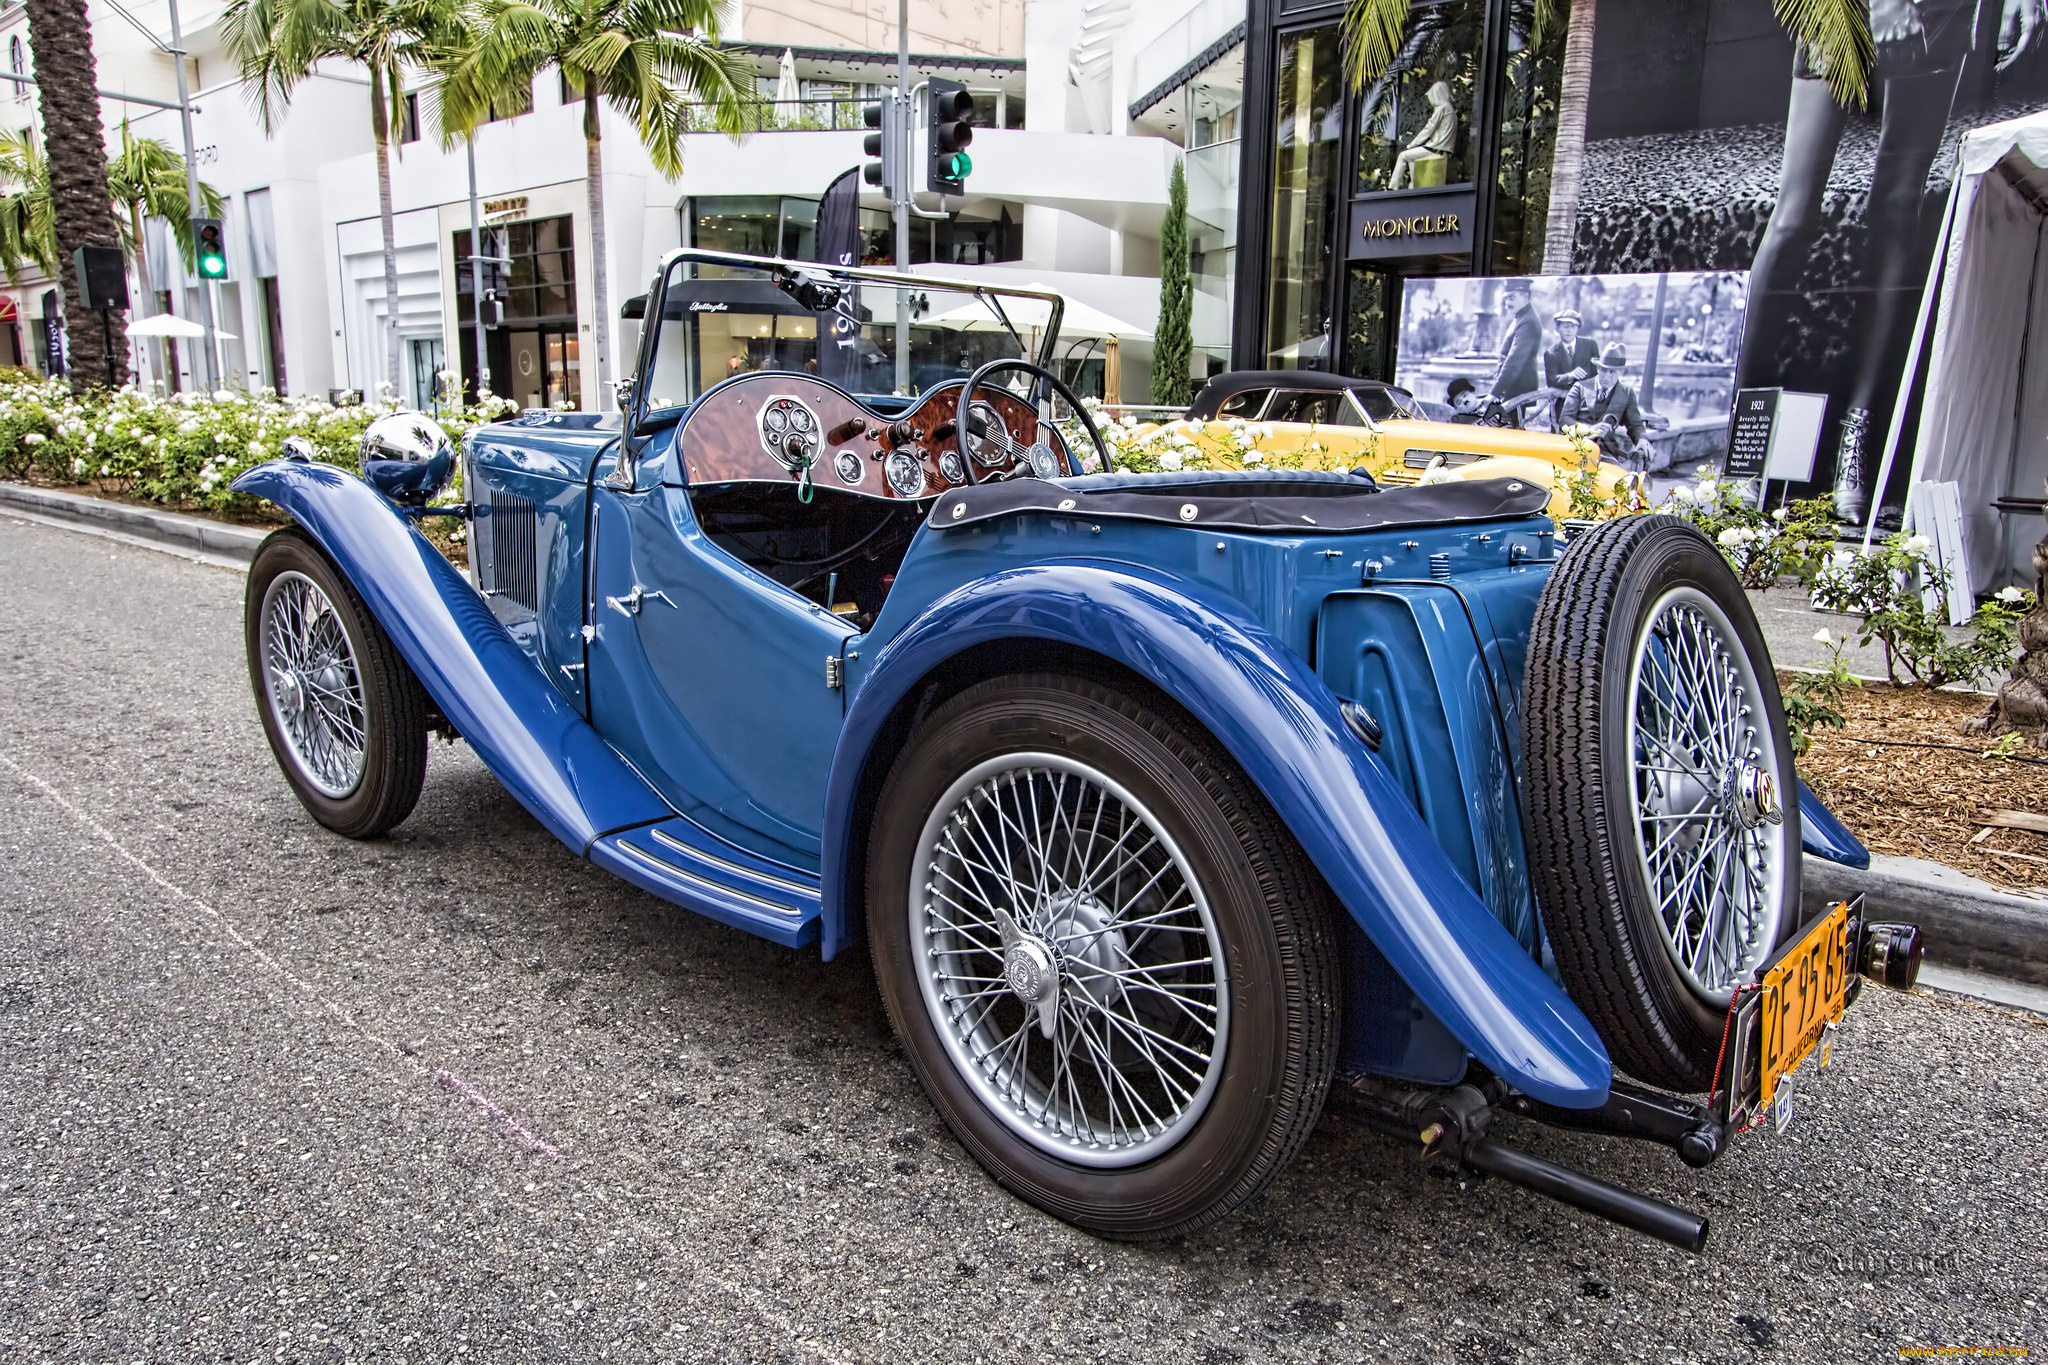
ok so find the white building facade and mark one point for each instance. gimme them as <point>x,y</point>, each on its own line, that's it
<point>1084,107</point>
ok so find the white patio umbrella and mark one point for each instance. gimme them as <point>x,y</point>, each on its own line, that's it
<point>167,325</point>
<point>1077,319</point>
<point>786,88</point>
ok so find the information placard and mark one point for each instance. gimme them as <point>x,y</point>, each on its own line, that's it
<point>1749,433</point>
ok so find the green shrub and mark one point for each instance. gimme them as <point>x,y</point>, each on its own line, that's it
<point>1902,596</point>
<point>1761,547</point>
<point>183,450</point>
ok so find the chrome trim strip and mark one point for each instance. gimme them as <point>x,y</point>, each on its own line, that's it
<point>693,879</point>
<point>662,836</point>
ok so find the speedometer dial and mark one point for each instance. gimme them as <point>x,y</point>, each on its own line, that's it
<point>988,440</point>
<point>905,473</point>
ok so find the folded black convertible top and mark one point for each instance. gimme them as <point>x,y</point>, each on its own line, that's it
<point>1297,502</point>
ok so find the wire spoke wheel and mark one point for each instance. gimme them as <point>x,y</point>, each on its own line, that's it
<point>1071,966</point>
<point>314,685</point>
<point>1710,831</point>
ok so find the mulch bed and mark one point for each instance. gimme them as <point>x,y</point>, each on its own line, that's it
<point>1928,802</point>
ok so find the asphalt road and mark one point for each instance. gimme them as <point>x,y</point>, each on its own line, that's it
<point>268,1094</point>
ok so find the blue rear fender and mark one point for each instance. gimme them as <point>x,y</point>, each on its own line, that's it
<point>1281,723</point>
<point>524,730</point>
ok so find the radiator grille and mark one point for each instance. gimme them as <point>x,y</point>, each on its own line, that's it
<point>1419,459</point>
<point>514,560</point>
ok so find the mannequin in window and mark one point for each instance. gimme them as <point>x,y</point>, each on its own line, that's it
<point>1439,137</point>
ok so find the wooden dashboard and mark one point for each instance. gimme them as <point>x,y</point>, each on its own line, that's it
<point>765,427</point>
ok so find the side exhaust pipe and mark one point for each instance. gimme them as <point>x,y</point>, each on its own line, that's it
<point>1651,1217</point>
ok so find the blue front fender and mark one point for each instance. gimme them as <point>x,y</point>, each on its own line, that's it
<point>525,731</point>
<point>1280,722</point>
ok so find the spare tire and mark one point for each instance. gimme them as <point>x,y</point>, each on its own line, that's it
<point>1658,792</point>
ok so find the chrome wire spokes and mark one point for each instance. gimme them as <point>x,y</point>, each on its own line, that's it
<point>314,688</point>
<point>1070,961</point>
<point>1707,787</point>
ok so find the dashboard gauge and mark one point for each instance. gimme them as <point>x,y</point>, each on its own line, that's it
<point>952,466</point>
<point>1044,463</point>
<point>905,473</point>
<point>789,431</point>
<point>993,443</point>
<point>849,466</point>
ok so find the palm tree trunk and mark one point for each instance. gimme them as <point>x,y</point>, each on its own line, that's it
<point>74,140</point>
<point>600,301</point>
<point>148,308</point>
<point>1568,160</point>
<point>382,132</point>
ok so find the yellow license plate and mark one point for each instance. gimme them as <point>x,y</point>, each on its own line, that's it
<point>1804,992</point>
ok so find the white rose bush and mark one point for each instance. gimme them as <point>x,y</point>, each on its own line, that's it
<point>183,450</point>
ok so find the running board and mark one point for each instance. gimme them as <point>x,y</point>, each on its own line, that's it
<point>682,862</point>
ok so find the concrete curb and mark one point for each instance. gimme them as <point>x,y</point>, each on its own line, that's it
<point>198,537</point>
<point>1969,924</point>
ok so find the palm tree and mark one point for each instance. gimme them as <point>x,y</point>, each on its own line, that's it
<point>279,43</point>
<point>28,236</point>
<point>81,214</point>
<point>642,57</point>
<point>1568,157</point>
<point>1835,32</point>
<point>147,179</point>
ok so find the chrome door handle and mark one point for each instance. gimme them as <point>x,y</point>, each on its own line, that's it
<point>629,605</point>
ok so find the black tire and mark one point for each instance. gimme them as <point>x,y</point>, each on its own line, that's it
<point>1271,912</point>
<point>393,706</point>
<point>1591,845</point>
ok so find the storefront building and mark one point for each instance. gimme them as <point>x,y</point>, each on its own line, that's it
<point>1710,147</point>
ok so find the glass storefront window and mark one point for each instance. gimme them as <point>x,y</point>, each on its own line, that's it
<point>540,283</point>
<point>1415,122</point>
<point>1371,298</point>
<point>1528,140</point>
<point>1215,101</point>
<point>1308,136</point>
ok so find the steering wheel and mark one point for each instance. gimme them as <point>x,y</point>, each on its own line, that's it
<point>1058,386</point>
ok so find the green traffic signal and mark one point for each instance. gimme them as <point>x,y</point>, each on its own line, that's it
<point>956,166</point>
<point>210,251</point>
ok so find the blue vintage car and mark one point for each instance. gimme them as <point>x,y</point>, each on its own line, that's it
<point>1158,800</point>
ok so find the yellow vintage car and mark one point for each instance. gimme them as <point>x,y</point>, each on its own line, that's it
<point>1305,419</point>
<point>1401,450</point>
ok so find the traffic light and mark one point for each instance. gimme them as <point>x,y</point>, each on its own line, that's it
<point>210,248</point>
<point>949,129</point>
<point>885,145</point>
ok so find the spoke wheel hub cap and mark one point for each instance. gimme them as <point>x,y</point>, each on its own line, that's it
<point>1073,971</point>
<point>1710,822</point>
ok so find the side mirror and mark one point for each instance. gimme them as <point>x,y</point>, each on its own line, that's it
<point>407,457</point>
<point>300,449</point>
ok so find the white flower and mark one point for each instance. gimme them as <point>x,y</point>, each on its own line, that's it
<point>1170,460</point>
<point>255,447</point>
<point>1730,538</point>
<point>1918,546</point>
<point>1823,636</point>
<point>221,395</point>
<point>1681,495</point>
<point>34,438</point>
<point>1779,515</point>
<point>1706,491</point>
<point>1255,457</point>
<point>1195,427</point>
<point>2009,595</point>
<point>103,471</point>
<point>78,469</point>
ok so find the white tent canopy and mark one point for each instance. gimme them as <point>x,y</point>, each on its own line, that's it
<point>1984,420</point>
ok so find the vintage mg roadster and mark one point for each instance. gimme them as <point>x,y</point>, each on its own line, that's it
<point>1158,800</point>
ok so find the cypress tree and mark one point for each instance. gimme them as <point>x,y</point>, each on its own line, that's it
<point>1173,346</point>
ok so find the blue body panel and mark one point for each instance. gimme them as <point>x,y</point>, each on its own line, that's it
<point>1824,836</point>
<point>531,736</point>
<point>1277,719</point>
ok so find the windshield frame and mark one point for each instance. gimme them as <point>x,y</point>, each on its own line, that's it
<point>784,273</point>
